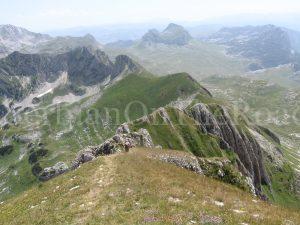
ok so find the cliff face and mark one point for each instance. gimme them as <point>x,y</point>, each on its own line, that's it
<point>234,138</point>
<point>210,130</point>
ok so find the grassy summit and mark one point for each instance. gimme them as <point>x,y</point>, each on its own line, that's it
<point>135,189</point>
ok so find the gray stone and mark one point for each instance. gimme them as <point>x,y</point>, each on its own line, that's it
<point>53,171</point>
<point>117,143</point>
<point>244,145</point>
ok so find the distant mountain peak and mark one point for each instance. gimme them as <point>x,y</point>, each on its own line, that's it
<point>9,27</point>
<point>172,26</point>
<point>14,38</point>
<point>9,31</point>
<point>90,37</point>
<point>173,35</point>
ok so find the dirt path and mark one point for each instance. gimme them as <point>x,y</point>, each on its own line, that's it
<point>101,179</point>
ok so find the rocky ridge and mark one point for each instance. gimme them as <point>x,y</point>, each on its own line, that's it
<point>113,145</point>
<point>215,120</point>
<point>84,66</point>
<point>243,144</point>
<point>247,170</point>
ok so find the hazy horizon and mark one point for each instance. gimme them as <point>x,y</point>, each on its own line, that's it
<point>55,15</point>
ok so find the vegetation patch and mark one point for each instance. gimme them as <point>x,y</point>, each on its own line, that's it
<point>6,150</point>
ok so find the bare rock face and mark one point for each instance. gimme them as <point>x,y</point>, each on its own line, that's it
<point>53,171</point>
<point>235,138</point>
<point>218,168</point>
<point>117,143</point>
<point>188,162</point>
<point>271,151</point>
<point>123,129</point>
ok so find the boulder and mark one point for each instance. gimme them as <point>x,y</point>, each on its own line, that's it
<point>53,171</point>
<point>23,139</point>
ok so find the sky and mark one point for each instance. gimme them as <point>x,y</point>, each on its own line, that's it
<point>39,15</point>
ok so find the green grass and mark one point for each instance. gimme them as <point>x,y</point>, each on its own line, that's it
<point>93,125</point>
<point>135,189</point>
<point>18,176</point>
<point>139,94</point>
<point>281,182</point>
<point>65,129</point>
<point>181,134</point>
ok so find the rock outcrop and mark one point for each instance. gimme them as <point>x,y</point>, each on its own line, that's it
<point>236,138</point>
<point>219,168</point>
<point>224,170</point>
<point>53,171</point>
<point>188,162</point>
<point>112,145</point>
<point>117,143</point>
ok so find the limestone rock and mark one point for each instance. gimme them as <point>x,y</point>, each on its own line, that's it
<point>53,171</point>
<point>115,144</point>
<point>188,162</point>
<point>244,145</point>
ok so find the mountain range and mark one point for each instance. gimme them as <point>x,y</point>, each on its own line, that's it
<point>69,103</point>
<point>257,47</point>
<point>83,66</point>
<point>271,46</point>
<point>19,39</point>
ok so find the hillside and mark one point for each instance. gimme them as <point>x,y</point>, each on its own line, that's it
<point>271,104</point>
<point>258,96</point>
<point>64,44</point>
<point>191,120</point>
<point>134,188</point>
<point>57,128</point>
